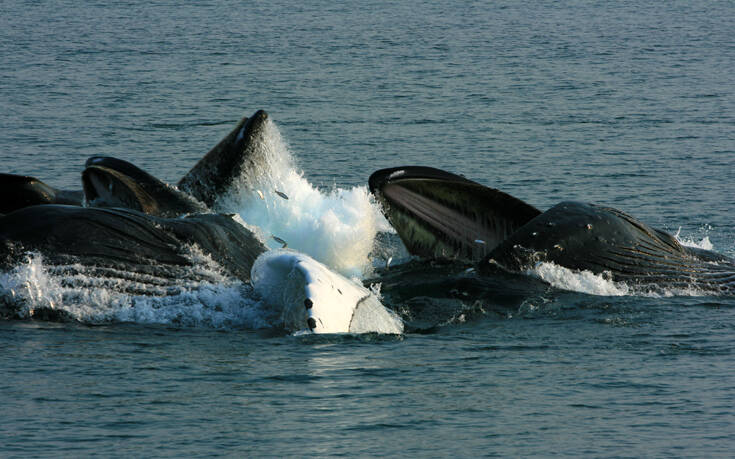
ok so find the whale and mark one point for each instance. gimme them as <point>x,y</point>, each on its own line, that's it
<point>124,250</point>
<point>235,160</point>
<point>142,236</point>
<point>20,191</point>
<point>125,239</point>
<point>440,215</point>
<point>145,255</point>
<point>113,182</point>
<point>309,293</point>
<point>127,223</point>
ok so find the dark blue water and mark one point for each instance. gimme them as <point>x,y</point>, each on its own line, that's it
<point>627,103</point>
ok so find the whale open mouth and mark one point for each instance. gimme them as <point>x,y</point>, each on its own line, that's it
<point>442,215</point>
<point>105,187</point>
<point>112,182</point>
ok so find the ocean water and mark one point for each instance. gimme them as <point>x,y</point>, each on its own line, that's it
<point>629,104</point>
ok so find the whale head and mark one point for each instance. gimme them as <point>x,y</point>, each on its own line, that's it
<point>442,215</point>
<point>235,157</point>
<point>112,182</point>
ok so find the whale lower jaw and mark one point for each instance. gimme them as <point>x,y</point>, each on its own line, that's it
<point>442,215</point>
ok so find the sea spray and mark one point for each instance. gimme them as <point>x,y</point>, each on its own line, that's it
<point>600,284</point>
<point>79,293</point>
<point>689,241</point>
<point>337,227</point>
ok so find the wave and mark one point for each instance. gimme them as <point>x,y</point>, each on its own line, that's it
<point>688,241</point>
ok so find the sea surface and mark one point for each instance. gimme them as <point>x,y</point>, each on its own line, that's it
<point>630,104</point>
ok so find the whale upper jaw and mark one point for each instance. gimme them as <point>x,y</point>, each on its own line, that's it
<point>442,215</point>
<point>235,157</point>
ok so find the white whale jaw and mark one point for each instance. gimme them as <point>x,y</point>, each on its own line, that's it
<point>315,299</point>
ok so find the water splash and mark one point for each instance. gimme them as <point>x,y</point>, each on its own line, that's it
<point>578,281</point>
<point>336,227</point>
<point>689,241</point>
<point>82,294</point>
<point>601,284</point>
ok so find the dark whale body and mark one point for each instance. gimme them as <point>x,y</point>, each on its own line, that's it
<point>20,191</point>
<point>112,182</point>
<point>235,157</point>
<point>125,250</point>
<point>442,215</point>
<point>125,239</point>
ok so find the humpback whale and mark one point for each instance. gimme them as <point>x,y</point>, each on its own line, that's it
<point>307,292</point>
<point>440,215</point>
<point>112,182</point>
<point>125,239</point>
<point>234,157</point>
<point>20,191</point>
<point>154,252</point>
<point>126,224</point>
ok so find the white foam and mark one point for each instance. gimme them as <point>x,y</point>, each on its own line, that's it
<point>578,281</point>
<point>336,227</point>
<point>219,302</point>
<point>601,285</point>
